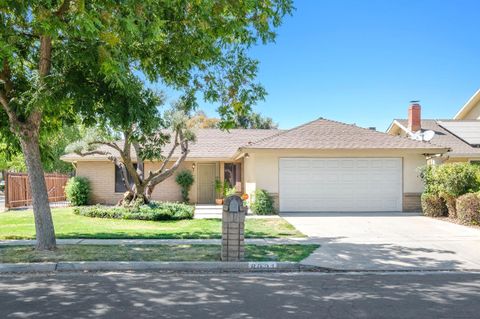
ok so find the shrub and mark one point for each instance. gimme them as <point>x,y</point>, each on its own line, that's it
<point>153,211</point>
<point>456,179</point>
<point>77,191</point>
<point>468,208</point>
<point>433,205</point>
<point>263,203</point>
<point>229,191</point>
<point>451,181</point>
<point>185,180</point>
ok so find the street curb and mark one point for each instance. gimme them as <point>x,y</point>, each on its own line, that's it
<point>154,265</point>
<point>24,267</point>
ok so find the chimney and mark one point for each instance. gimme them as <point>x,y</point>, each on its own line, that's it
<point>414,117</point>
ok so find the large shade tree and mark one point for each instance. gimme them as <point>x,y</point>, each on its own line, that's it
<point>60,58</point>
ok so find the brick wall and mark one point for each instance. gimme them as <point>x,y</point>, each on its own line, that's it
<point>102,180</point>
<point>412,202</point>
<point>101,175</point>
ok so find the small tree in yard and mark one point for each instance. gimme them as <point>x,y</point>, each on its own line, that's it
<point>142,136</point>
<point>63,58</point>
<point>185,180</point>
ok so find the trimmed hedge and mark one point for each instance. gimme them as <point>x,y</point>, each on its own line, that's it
<point>433,205</point>
<point>77,191</point>
<point>263,203</point>
<point>152,211</point>
<point>468,208</point>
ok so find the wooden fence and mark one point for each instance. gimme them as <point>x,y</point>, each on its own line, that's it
<point>17,189</point>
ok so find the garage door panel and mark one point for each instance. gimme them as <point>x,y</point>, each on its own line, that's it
<point>340,184</point>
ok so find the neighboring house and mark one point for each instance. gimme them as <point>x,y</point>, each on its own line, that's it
<point>322,165</point>
<point>471,109</point>
<point>460,134</point>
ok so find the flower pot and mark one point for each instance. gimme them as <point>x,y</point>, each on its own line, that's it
<point>219,201</point>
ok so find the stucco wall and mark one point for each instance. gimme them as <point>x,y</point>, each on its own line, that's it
<point>261,167</point>
<point>101,175</point>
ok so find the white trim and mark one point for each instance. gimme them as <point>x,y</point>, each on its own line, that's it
<point>467,107</point>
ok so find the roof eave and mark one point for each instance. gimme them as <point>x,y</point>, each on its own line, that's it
<point>430,150</point>
<point>474,99</point>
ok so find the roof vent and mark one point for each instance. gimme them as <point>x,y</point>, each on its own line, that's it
<point>372,128</point>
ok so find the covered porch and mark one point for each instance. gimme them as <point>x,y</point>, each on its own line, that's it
<point>208,173</point>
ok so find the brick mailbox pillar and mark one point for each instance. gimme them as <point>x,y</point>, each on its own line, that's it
<point>233,227</point>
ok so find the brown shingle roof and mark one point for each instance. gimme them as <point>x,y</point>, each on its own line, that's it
<point>328,134</point>
<point>443,137</point>
<point>210,143</point>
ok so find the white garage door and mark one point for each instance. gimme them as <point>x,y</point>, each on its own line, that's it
<point>340,184</point>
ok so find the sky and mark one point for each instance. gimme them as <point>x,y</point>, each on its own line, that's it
<point>363,61</point>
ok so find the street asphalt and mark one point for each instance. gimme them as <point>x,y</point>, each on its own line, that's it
<point>231,295</point>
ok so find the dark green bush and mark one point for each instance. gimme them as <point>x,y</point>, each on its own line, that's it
<point>152,211</point>
<point>185,180</point>
<point>262,203</point>
<point>433,205</point>
<point>468,208</point>
<point>77,191</point>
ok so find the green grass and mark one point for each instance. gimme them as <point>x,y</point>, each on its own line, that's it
<point>20,225</point>
<point>27,254</point>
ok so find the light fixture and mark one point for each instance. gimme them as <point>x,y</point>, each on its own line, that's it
<point>246,155</point>
<point>193,167</point>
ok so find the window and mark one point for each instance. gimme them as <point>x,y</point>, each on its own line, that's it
<point>233,175</point>
<point>119,184</point>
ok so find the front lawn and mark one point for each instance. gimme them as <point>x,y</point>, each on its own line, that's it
<point>22,254</point>
<point>20,225</point>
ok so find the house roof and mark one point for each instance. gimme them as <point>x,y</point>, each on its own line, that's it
<point>210,144</point>
<point>443,137</point>
<point>328,134</point>
<point>471,103</point>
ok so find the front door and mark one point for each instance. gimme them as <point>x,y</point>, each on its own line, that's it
<point>206,183</point>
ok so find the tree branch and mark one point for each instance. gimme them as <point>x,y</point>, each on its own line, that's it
<point>140,164</point>
<point>110,144</point>
<point>169,172</point>
<point>165,161</point>
<point>11,114</point>
<point>45,56</point>
<point>63,8</point>
<point>127,161</point>
<point>5,76</point>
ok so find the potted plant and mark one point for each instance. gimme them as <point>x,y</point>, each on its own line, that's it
<point>228,191</point>
<point>219,190</point>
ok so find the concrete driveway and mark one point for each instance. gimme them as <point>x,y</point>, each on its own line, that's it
<point>388,241</point>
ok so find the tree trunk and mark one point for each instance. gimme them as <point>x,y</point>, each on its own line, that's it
<point>45,233</point>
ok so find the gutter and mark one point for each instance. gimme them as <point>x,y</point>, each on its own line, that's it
<point>185,266</point>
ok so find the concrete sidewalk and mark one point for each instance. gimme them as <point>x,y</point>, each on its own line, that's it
<point>79,241</point>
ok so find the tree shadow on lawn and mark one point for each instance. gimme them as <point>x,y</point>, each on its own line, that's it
<point>150,295</point>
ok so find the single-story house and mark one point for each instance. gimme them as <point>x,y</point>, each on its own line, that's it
<point>322,165</point>
<point>460,134</point>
